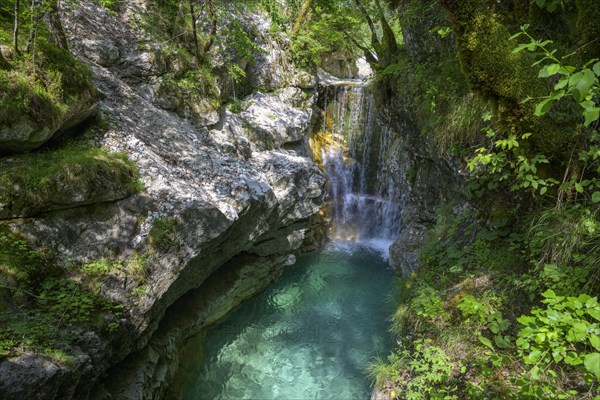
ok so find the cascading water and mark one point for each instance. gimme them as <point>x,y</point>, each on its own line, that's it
<point>312,334</point>
<point>353,149</point>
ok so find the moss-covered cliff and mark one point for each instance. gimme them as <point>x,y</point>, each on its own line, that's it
<point>508,264</point>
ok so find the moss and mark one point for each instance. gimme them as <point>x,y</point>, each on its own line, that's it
<point>163,234</point>
<point>504,77</point>
<point>43,86</point>
<point>36,182</point>
<point>589,27</point>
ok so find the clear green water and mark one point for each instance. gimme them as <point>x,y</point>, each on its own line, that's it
<point>310,335</point>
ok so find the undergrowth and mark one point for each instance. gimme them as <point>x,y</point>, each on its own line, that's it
<point>44,308</point>
<point>502,307</point>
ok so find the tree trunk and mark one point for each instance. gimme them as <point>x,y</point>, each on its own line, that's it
<point>58,33</point>
<point>212,15</point>
<point>16,27</point>
<point>302,16</point>
<point>195,34</point>
<point>374,38</point>
<point>178,18</point>
<point>35,20</point>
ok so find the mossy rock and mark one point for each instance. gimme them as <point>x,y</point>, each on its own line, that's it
<point>69,177</point>
<point>505,78</point>
<point>588,26</point>
<point>41,99</point>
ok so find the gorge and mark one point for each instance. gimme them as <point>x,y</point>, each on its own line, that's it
<point>298,199</point>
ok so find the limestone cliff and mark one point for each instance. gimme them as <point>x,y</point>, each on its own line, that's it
<point>237,204</point>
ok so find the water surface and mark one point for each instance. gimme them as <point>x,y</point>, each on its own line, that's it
<point>310,335</point>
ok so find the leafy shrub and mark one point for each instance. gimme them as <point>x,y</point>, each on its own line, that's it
<point>566,331</point>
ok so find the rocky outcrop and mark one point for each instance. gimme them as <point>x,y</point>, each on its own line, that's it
<point>27,132</point>
<point>340,64</point>
<point>60,184</point>
<point>239,203</point>
<point>424,178</point>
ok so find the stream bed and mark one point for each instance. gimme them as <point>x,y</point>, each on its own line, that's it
<point>310,335</point>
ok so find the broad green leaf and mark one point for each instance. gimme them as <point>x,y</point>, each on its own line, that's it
<point>595,341</point>
<point>549,294</point>
<point>549,70</point>
<point>520,47</point>
<point>591,115</point>
<point>596,68</point>
<point>535,373</point>
<point>543,107</point>
<point>543,190</point>
<point>526,320</point>
<point>533,357</point>
<point>502,342</point>
<point>579,188</point>
<point>583,85</point>
<point>596,197</point>
<point>592,363</point>
<point>561,84</point>
<point>486,342</point>
<point>573,358</point>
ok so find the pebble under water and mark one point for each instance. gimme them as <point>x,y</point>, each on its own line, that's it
<point>310,335</point>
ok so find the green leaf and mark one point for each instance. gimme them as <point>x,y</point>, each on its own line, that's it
<point>525,320</point>
<point>543,190</point>
<point>592,363</point>
<point>579,188</point>
<point>520,47</point>
<point>591,115</point>
<point>533,357</point>
<point>549,70</point>
<point>595,341</point>
<point>543,107</point>
<point>596,197</point>
<point>535,373</point>
<point>549,294</point>
<point>486,342</point>
<point>583,85</point>
<point>596,68</point>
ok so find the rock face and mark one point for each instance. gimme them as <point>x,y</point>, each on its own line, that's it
<point>425,179</point>
<point>28,133</point>
<point>340,64</point>
<point>240,205</point>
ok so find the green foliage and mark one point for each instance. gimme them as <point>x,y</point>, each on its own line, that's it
<point>45,309</point>
<point>28,181</point>
<point>580,85</point>
<point>324,34</point>
<point>70,303</point>
<point>566,331</point>
<point>163,234</point>
<point>437,90</point>
<point>431,367</point>
<point>111,5</point>
<point>101,268</point>
<point>502,164</point>
<point>470,307</point>
<point>424,371</point>
<point>20,265</point>
<point>43,85</point>
<point>427,303</point>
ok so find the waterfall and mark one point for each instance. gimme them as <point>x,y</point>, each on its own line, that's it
<point>353,148</point>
